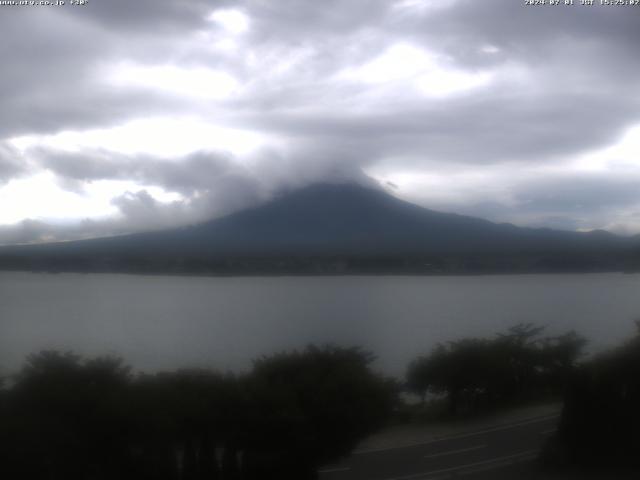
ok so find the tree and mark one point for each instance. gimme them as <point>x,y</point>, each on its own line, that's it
<point>600,423</point>
<point>313,406</point>
<point>515,365</point>
<point>65,417</point>
<point>90,419</point>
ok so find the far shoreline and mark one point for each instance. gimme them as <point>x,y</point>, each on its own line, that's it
<point>320,275</point>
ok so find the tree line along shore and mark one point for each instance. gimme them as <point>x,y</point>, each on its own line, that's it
<point>67,417</point>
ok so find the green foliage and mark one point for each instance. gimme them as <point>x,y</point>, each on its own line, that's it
<point>475,372</point>
<point>601,420</point>
<point>325,398</point>
<point>61,409</point>
<point>70,418</point>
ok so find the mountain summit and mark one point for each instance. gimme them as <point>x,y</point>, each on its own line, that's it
<point>330,220</point>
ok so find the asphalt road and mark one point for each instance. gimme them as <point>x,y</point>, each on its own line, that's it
<point>499,452</point>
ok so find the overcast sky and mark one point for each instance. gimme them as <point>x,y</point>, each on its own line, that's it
<point>123,115</point>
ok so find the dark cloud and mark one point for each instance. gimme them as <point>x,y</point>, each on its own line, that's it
<point>211,184</point>
<point>11,163</point>
<point>574,60</point>
<point>561,85</point>
<point>535,34</point>
<point>295,21</point>
<point>566,201</point>
<point>51,74</point>
<point>149,16</point>
<point>26,231</point>
<point>485,130</point>
<point>146,213</point>
<point>185,175</point>
<point>585,194</point>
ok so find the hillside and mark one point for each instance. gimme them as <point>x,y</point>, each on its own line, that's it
<point>333,223</point>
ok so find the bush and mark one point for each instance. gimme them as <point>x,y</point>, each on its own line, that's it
<point>600,423</point>
<point>75,419</point>
<point>476,372</point>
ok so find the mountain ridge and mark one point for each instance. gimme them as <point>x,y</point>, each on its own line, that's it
<point>329,220</point>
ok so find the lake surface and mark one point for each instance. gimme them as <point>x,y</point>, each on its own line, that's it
<point>165,322</point>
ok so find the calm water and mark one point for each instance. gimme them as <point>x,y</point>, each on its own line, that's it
<point>166,322</point>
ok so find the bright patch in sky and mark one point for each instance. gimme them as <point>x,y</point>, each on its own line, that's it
<point>232,20</point>
<point>51,201</point>
<point>443,83</point>
<point>423,5</point>
<point>201,82</point>
<point>162,137</point>
<point>54,202</point>
<point>425,71</point>
<point>623,154</point>
<point>449,188</point>
<point>490,49</point>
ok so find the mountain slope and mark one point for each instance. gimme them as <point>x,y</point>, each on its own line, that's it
<point>349,219</point>
<point>325,220</point>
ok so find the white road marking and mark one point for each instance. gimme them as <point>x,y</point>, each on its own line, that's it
<point>456,437</point>
<point>493,462</point>
<point>453,452</point>
<point>549,432</point>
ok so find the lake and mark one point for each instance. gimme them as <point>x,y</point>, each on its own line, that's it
<point>165,322</point>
